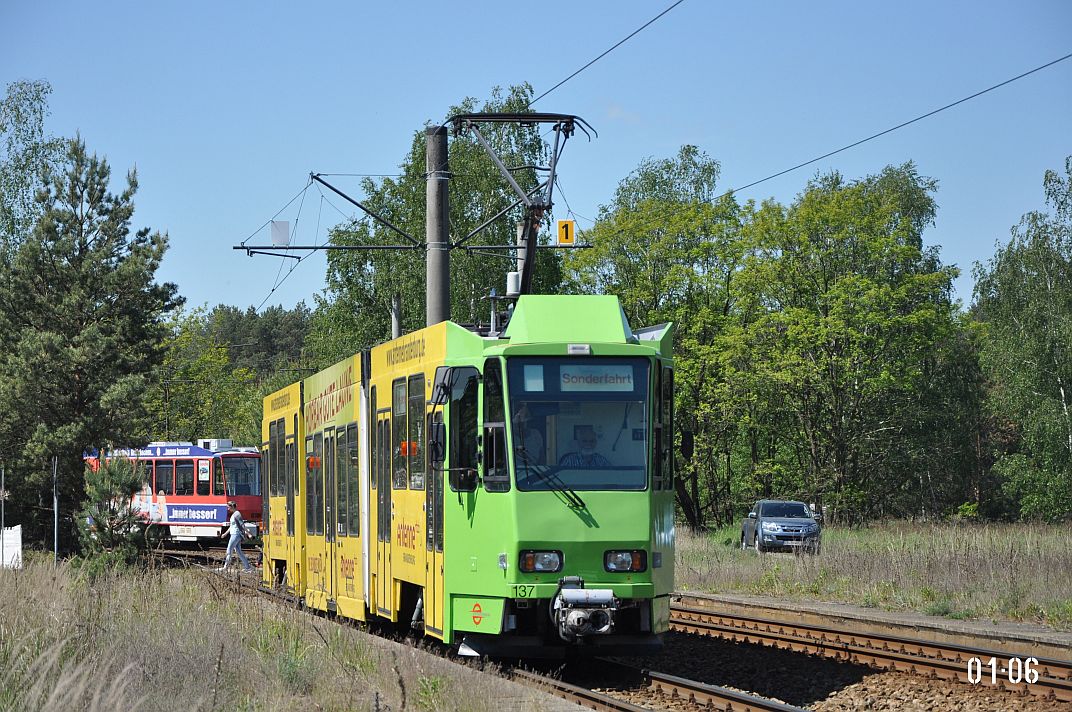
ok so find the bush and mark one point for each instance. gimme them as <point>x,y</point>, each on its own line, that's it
<point>108,524</point>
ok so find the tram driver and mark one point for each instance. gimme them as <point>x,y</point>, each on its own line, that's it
<point>586,455</point>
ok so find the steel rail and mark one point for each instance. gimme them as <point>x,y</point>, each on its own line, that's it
<point>578,695</point>
<point>712,696</point>
<point>947,661</point>
<point>699,694</point>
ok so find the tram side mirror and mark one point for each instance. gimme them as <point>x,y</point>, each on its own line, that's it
<point>437,438</point>
<point>441,386</point>
<point>687,444</point>
<point>463,480</point>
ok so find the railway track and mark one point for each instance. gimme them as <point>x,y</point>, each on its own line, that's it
<point>652,688</point>
<point>945,661</point>
<point>654,685</point>
<point>577,694</point>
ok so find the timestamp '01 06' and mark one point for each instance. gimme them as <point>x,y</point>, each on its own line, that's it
<point>1016,670</point>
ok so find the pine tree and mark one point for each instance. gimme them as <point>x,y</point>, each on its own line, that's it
<point>81,330</point>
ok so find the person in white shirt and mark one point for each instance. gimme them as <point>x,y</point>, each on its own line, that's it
<point>237,532</point>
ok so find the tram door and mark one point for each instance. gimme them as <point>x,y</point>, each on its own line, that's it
<point>291,478</point>
<point>315,554</point>
<point>290,486</point>
<point>330,527</point>
<point>371,503</point>
<point>433,587</point>
<point>384,602</point>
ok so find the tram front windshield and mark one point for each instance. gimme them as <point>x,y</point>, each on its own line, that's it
<point>242,475</point>
<point>579,424</point>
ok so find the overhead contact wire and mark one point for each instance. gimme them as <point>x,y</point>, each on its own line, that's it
<point>604,54</point>
<point>900,126</point>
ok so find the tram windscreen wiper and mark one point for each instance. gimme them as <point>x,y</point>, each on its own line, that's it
<point>551,478</point>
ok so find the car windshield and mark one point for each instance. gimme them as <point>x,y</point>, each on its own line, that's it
<point>579,424</point>
<point>789,510</point>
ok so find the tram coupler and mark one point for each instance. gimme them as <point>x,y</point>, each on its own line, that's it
<point>578,611</point>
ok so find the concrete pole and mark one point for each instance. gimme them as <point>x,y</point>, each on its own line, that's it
<point>396,315</point>
<point>437,226</point>
<point>55,516</point>
<point>521,247</point>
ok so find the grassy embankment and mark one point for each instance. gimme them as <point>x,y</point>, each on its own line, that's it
<point>1017,572</point>
<point>159,640</point>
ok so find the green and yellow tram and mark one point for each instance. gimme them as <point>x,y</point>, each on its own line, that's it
<point>510,494</point>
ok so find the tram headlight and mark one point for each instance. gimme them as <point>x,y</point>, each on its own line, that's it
<point>625,561</point>
<point>540,561</point>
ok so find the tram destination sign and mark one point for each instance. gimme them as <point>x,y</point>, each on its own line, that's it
<point>596,377</point>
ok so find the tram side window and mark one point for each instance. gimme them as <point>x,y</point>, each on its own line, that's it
<point>463,420</point>
<point>383,497</point>
<point>204,477</point>
<point>496,470</point>
<point>434,501</point>
<point>328,485</point>
<point>311,472</point>
<point>429,506</point>
<point>400,449</point>
<point>437,485</point>
<point>165,477</point>
<point>144,472</point>
<point>292,465</point>
<point>416,432</point>
<point>288,476</point>
<point>660,433</point>
<point>279,453</point>
<point>353,472</point>
<point>217,477</point>
<point>184,477</point>
<point>268,462</point>
<point>342,482</point>
<point>667,454</point>
<point>373,440</point>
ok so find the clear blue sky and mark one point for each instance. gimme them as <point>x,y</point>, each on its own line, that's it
<point>226,107</point>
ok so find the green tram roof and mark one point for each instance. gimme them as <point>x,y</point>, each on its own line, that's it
<point>581,319</point>
<point>540,318</point>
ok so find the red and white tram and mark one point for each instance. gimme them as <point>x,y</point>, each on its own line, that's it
<point>187,486</point>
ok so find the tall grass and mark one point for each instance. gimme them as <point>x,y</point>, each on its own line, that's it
<point>154,640</point>
<point>1017,572</point>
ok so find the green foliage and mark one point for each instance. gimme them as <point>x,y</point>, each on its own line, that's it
<point>261,342</point>
<point>355,311</point>
<point>283,647</point>
<point>25,153</point>
<point>855,320</point>
<point>202,394</point>
<point>218,366</point>
<point>819,353</point>
<point>430,692</point>
<point>110,530</point>
<point>671,254</point>
<point>1024,294</point>
<point>81,330</point>
<point>968,510</point>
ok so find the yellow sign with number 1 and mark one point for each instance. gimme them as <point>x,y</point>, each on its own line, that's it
<point>567,233</point>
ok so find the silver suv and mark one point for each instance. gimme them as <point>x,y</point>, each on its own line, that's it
<point>777,524</point>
